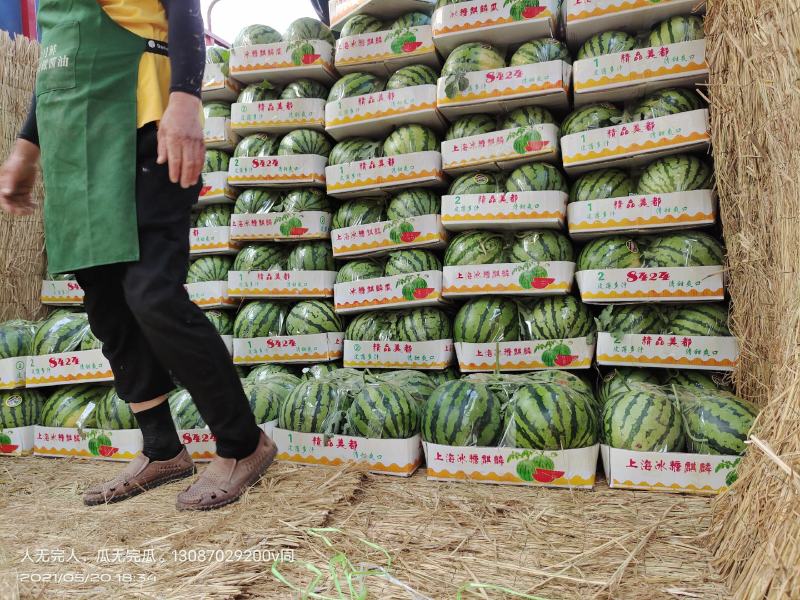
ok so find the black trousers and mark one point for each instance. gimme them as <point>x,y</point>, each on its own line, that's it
<point>150,329</point>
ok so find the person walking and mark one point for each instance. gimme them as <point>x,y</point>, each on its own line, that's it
<point>116,122</point>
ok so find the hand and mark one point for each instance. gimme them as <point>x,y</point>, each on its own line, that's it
<point>17,177</point>
<point>180,139</point>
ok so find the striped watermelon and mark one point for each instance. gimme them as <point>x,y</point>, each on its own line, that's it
<point>256,34</point>
<point>59,276</point>
<point>370,326</point>
<point>410,138</point>
<point>412,75</point>
<point>359,211</point>
<point>209,268</point>
<point>487,319</point>
<point>354,149</point>
<point>306,28</point>
<point>308,198</point>
<point>383,411</point>
<point>470,125</point>
<point>422,325</point>
<point>260,257</point>
<point>265,400</point>
<point>73,406</point>
<point>321,370</point>
<point>684,28</point>
<point>610,252</point>
<point>313,407</point>
<point>90,341</point>
<point>184,412</point>
<point>221,320</point>
<point>694,380</point>
<point>304,88</point>
<point>554,318</point>
<point>622,380</point>
<point>475,248</point>
<point>356,270</point>
<point>413,202</point>
<point>592,116</point>
<point>644,421</point>
<point>258,201</point>
<point>20,408</point>
<point>528,116</point>
<point>702,318</point>
<point>462,413</point>
<point>311,256</point>
<point>478,183</point>
<point>359,24</point>
<point>543,50</point>
<point>214,215</point>
<point>260,318</point>
<point>439,377</point>
<point>670,101</point>
<point>619,319</point>
<point>16,338</point>
<point>716,422</point>
<point>356,84</point>
<point>114,413</point>
<point>608,42</point>
<point>416,383</point>
<point>412,19</point>
<point>60,332</point>
<point>313,316</point>
<point>259,92</point>
<point>568,380</point>
<point>217,109</point>
<point>541,246</point>
<point>218,55</point>
<point>536,177</point>
<point>304,141</point>
<point>216,160</point>
<point>258,144</point>
<point>678,173</point>
<point>684,249</point>
<point>403,262</point>
<point>473,56</point>
<point>265,373</point>
<point>281,384</point>
<point>604,183</point>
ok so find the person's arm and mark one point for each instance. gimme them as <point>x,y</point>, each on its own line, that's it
<point>321,8</point>
<point>30,131</point>
<point>187,47</point>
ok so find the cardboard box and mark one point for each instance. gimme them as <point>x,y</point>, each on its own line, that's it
<point>283,62</point>
<point>519,279</point>
<point>216,86</point>
<point>375,115</point>
<point>377,354</point>
<point>631,144</point>
<point>502,90</point>
<point>651,212</point>
<point>12,372</point>
<point>202,444</point>
<point>82,366</point>
<point>290,170</point>
<point>669,471</point>
<point>212,240</point>
<point>714,353</point>
<point>395,291</point>
<point>501,150</point>
<point>216,190</point>
<point>636,73</point>
<point>281,284</point>
<point>381,176</point>
<point>657,284</point>
<point>314,225</point>
<point>62,293</point>
<point>386,457</point>
<point>574,469</point>
<point>384,52</point>
<point>341,10</point>
<point>228,341</point>
<point>497,22</point>
<point>525,356</point>
<point>374,239</point>
<point>278,116</point>
<point>318,347</point>
<point>505,211</point>
<point>19,441</point>
<point>211,294</point>
<point>217,133</point>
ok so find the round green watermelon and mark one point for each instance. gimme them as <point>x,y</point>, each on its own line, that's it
<point>257,144</point>
<point>259,92</point>
<point>610,252</point>
<point>217,109</point>
<point>473,56</point>
<point>410,138</point>
<point>608,42</point>
<point>359,24</point>
<point>487,319</point>
<point>306,28</point>
<point>310,317</point>
<point>304,88</point>
<point>592,116</point>
<point>356,84</point>
<point>462,413</point>
<point>304,141</point>
<point>555,318</point>
<point>256,34</point>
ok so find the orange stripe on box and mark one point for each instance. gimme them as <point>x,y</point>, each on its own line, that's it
<point>673,487</point>
<point>335,462</point>
<point>382,301</point>
<point>368,58</point>
<point>65,378</point>
<point>215,246</point>
<point>369,116</point>
<point>215,192</point>
<point>284,65</point>
<point>12,385</point>
<point>503,217</point>
<point>504,288</point>
<point>652,294</point>
<point>575,480</point>
<point>258,124</point>
<point>497,93</point>
<point>429,237</point>
<point>608,10</point>
<point>487,23</point>
<point>699,362</point>
<point>315,292</point>
<point>377,180</point>
<point>316,177</point>
<point>299,238</point>
<point>665,220</point>
<point>520,366</point>
<point>79,453</point>
<point>392,365</point>
<point>203,455</point>
<point>276,357</point>
<point>650,145</point>
<point>210,301</point>
<point>589,84</point>
<point>60,299</point>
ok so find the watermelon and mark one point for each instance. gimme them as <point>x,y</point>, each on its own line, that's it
<point>701,318</point>
<point>90,341</point>
<point>416,383</point>
<point>684,249</point>
<point>670,101</point>
<point>184,412</point>
<point>694,380</point>
<point>565,379</point>
<point>303,199</point>
<point>478,183</point>
<point>413,202</point>
<point>304,88</point>
<point>60,332</point>
<point>258,144</point>
<point>356,270</point>
<point>683,28</point>
<point>403,262</point>
<point>306,28</point>
<point>528,116</point>
<point>281,384</point>
<point>216,160</point>
<point>354,149</point>
<point>608,42</point>
<point>411,76</point>
<point>603,183</point>
<point>20,408</point>
<point>260,318</point>
<point>536,177</point>
<point>311,256</point>
<point>221,320</point>
<point>219,56</point>
<point>73,406</point>
<point>265,373</point>
<point>304,141</point>
<point>258,201</point>
<point>356,84</point>
<point>264,401</point>
<point>716,422</point>
<point>256,34</point>
<point>439,377</point>
<point>217,109</point>
<point>619,319</point>
<point>462,413</point>
<point>214,215</point>
<point>383,411</point>
<point>321,370</point>
<point>475,248</point>
<point>644,420</point>
<point>541,246</point>
<point>412,19</point>
<point>59,276</point>
<point>487,319</point>
<point>473,56</point>
<point>677,173</point>
<point>422,325</point>
<point>359,24</point>
<point>370,326</point>
<point>591,116</point>
<point>209,268</point>
<point>16,338</point>
<point>313,407</point>
<point>313,316</point>
<point>259,92</point>
<point>114,413</point>
<point>260,257</point>
<point>470,125</point>
<point>622,380</point>
<point>410,138</point>
<point>542,50</point>
<point>359,211</point>
<point>554,318</point>
<point>610,252</point>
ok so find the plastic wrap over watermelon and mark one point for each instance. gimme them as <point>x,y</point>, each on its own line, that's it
<point>463,412</point>
<point>382,410</point>
<point>316,406</point>
<point>62,331</point>
<point>414,325</point>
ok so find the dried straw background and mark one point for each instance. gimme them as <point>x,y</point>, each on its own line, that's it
<point>21,238</point>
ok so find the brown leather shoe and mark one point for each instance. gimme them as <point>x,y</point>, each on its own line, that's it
<point>138,476</point>
<point>226,479</point>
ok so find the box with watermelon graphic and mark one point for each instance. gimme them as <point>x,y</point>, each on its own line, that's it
<point>519,279</point>
<point>12,372</point>
<point>498,22</point>
<point>216,190</point>
<point>715,353</point>
<point>652,284</point>
<point>83,366</point>
<point>396,291</point>
<point>573,468</point>
<point>61,293</point>
<point>425,231</point>
<point>504,89</point>
<point>505,211</point>
<point>283,62</point>
<point>532,355</point>
<point>317,347</point>
<point>635,73</point>
<point>278,116</point>
<point>381,176</point>
<point>677,472</point>
<point>288,170</point>
<point>386,457</point>
<point>17,441</point>
<point>217,133</point>
<point>281,284</point>
<point>501,150</point>
<point>632,144</point>
<point>384,52</point>
<point>341,10</point>
<point>217,86</point>
<point>202,444</point>
<point>644,212</point>
<point>299,226</point>
<point>102,444</point>
<point>433,355</point>
<point>377,114</point>
<point>211,240</point>
<point>211,294</point>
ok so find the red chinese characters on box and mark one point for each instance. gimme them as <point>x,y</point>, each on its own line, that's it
<point>660,340</point>
<point>273,106</point>
<point>645,276</point>
<point>674,465</point>
<point>188,437</point>
<point>371,289</point>
<point>640,55</point>
<point>642,202</point>
<point>479,9</point>
<point>625,130</point>
<point>281,343</point>
<point>368,165</point>
<point>392,347</point>
<point>273,275</point>
<point>368,99</point>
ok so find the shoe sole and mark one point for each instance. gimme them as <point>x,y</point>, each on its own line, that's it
<point>139,489</point>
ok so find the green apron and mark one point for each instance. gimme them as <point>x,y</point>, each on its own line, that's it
<point>86,114</point>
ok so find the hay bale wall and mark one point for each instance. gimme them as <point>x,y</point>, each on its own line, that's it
<point>21,238</point>
<point>754,57</point>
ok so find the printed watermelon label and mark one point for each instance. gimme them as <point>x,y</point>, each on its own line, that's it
<point>100,444</point>
<point>305,225</point>
<point>12,372</point>
<point>218,87</point>
<point>215,189</point>
<point>386,457</point>
<point>281,284</point>
<point>635,143</point>
<point>377,354</point>
<point>378,238</point>
<point>385,174</point>
<point>498,150</point>
<point>396,291</point>
<point>217,133</point>
<point>282,62</point>
<point>290,170</point>
<point>16,441</point>
<point>513,466</point>
<point>628,214</point>
<point>83,366</point>
<point>211,240</point>
<point>278,116</point>
<point>535,355</point>
<point>716,353</point>
<point>211,294</point>
<point>201,444</point>
<point>505,210</point>
<point>662,284</point>
<point>529,279</point>
<point>669,471</point>
<point>318,347</point>
<point>341,10</point>
<point>383,52</point>
<point>64,293</point>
